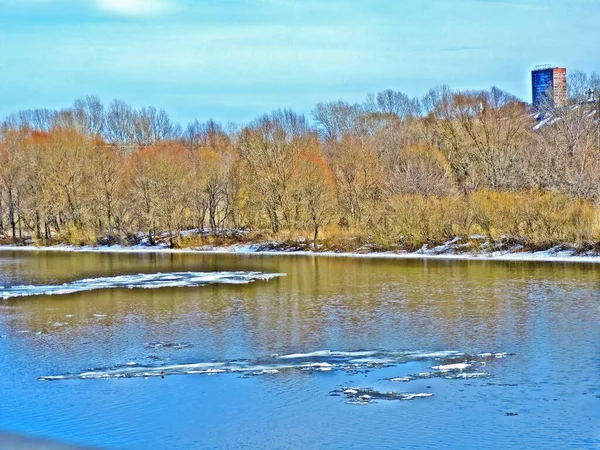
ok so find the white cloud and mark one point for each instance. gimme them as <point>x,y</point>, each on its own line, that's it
<point>133,7</point>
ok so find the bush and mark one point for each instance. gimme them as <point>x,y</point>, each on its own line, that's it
<point>417,220</point>
<point>540,218</point>
<point>77,236</point>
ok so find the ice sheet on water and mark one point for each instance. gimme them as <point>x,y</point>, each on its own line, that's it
<point>363,396</point>
<point>456,367</point>
<point>311,362</point>
<point>318,353</point>
<point>452,367</point>
<point>372,355</point>
<point>495,355</point>
<point>467,375</point>
<point>168,345</point>
<point>140,281</point>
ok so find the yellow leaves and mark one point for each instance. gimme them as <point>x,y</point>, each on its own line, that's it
<point>312,168</point>
<point>541,217</point>
<point>418,219</point>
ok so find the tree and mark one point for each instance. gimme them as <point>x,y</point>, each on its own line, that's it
<point>152,126</point>
<point>359,177</point>
<point>159,183</point>
<point>119,123</point>
<point>88,113</point>
<point>270,149</point>
<point>420,170</point>
<point>480,132</point>
<point>316,190</point>
<point>335,119</point>
<point>108,173</point>
<point>393,103</point>
<point>12,177</point>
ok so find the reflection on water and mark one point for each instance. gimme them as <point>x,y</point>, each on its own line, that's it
<point>547,314</point>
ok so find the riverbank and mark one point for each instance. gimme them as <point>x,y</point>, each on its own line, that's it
<point>451,250</point>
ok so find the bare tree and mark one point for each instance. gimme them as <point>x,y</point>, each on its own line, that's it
<point>119,123</point>
<point>89,115</point>
<point>393,103</point>
<point>335,119</point>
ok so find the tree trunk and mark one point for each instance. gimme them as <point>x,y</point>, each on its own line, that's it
<point>38,227</point>
<point>11,214</point>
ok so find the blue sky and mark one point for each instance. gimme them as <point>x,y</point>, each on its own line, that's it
<point>235,59</point>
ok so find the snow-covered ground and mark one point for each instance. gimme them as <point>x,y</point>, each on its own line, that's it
<point>449,251</point>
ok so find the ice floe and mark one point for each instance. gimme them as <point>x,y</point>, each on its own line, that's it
<point>355,395</point>
<point>328,353</point>
<point>401,379</point>
<point>140,281</point>
<point>452,367</point>
<point>317,361</point>
<point>466,375</point>
<point>168,345</point>
<point>495,355</point>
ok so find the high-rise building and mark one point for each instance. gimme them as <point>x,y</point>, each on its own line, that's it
<point>549,86</point>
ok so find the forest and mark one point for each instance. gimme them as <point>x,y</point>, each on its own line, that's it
<point>391,172</point>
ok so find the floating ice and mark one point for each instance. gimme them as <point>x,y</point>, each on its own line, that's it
<point>467,375</point>
<point>320,353</point>
<point>419,395</point>
<point>140,281</point>
<point>424,375</point>
<point>169,345</point>
<point>357,395</point>
<point>495,355</point>
<point>328,353</point>
<point>318,361</point>
<point>452,367</point>
<point>373,356</point>
<point>207,372</point>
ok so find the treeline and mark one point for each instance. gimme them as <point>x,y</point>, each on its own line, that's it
<point>392,171</point>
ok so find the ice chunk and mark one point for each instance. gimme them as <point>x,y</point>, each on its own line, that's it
<point>452,367</point>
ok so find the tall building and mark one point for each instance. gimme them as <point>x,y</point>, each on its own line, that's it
<point>549,86</point>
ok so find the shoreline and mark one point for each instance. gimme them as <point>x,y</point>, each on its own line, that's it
<point>554,255</point>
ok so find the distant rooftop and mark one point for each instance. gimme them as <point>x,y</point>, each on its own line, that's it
<point>546,67</point>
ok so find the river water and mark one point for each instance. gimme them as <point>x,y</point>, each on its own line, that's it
<point>139,351</point>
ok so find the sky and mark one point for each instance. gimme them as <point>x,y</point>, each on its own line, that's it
<point>233,60</point>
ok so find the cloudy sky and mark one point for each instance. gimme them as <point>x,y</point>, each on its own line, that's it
<point>235,59</point>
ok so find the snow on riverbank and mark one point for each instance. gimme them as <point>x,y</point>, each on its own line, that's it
<point>444,252</point>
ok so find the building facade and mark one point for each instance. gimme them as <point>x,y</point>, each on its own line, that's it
<point>549,87</point>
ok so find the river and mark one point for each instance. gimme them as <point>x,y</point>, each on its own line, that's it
<point>180,351</point>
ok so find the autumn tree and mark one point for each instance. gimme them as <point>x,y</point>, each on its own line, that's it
<point>270,149</point>
<point>159,184</point>
<point>12,177</point>
<point>108,179</point>
<point>316,189</point>
<point>419,170</point>
<point>358,174</point>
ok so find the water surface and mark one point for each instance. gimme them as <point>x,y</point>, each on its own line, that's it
<point>248,359</point>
